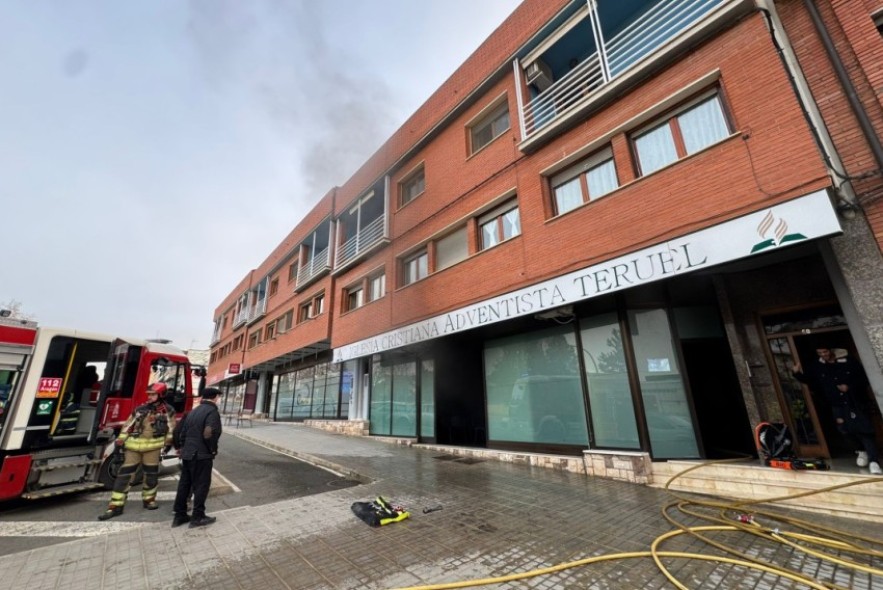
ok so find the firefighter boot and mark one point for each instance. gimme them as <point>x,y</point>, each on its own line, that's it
<point>110,512</point>
<point>150,504</point>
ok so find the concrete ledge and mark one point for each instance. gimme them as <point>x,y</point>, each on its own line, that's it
<point>559,462</point>
<point>347,427</point>
<point>630,466</point>
<point>829,492</point>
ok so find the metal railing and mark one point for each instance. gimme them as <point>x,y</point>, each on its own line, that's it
<point>558,98</point>
<point>639,39</point>
<point>315,266</point>
<point>362,241</point>
<point>257,310</point>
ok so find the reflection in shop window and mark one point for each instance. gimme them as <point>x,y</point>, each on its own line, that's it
<point>534,389</point>
<point>669,420</point>
<point>610,397</point>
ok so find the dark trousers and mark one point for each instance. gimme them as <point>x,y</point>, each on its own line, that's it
<point>196,477</point>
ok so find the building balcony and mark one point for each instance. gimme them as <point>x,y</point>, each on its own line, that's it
<point>601,49</point>
<point>360,244</point>
<point>257,311</point>
<point>312,270</point>
<point>240,319</point>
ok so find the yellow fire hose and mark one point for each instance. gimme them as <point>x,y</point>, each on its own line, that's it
<point>813,542</point>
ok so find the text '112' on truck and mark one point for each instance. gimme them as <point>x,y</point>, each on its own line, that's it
<point>64,394</point>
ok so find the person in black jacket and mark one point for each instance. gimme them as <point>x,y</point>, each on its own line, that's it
<point>842,380</point>
<point>197,442</point>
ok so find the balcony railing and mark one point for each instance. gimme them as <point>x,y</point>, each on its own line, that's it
<point>258,310</point>
<point>313,268</point>
<point>359,243</point>
<point>619,54</point>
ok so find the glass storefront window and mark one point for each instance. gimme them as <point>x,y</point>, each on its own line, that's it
<point>303,393</point>
<point>332,388</point>
<point>317,405</point>
<point>669,420</point>
<point>347,385</point>
<point>404,399</point>
<point>610,398</point>
<point>534,389</point>
<point>381,398</point>
<point>285,396</point>
<point>427,398</point>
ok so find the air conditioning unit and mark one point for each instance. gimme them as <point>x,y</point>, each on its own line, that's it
<point>539,74</point>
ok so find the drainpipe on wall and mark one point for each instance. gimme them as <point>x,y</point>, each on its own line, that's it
<point>855,104</point>
<point>847,203</point>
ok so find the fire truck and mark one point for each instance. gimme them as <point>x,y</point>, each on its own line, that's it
<point>64,394</point>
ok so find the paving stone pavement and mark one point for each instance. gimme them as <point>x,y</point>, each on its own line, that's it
<point>497,519</point>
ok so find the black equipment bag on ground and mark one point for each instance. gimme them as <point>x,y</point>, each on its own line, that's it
<point>775,446</point>
<point>379,512</point>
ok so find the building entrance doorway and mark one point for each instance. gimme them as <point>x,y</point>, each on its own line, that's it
<point>795,336</point>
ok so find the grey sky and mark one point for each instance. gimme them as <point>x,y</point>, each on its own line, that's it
<point>154,151</point>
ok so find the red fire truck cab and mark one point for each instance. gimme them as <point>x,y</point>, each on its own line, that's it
<point>64,395</point>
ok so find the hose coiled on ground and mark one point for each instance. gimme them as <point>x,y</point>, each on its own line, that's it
<point>728,515</point>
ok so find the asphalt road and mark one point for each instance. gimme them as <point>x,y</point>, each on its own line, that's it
<point>256,476</point>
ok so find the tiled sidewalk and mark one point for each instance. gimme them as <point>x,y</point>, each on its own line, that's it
<point>497,519</point>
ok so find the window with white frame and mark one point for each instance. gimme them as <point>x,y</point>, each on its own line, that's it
<point>688,130</point>
<point>499,224</point>
<point>415,267</point>
<point>586,181</point>
<point>489,126</point>
<point>376,287</point>
<point>412,186</point>
<point>451,249</point>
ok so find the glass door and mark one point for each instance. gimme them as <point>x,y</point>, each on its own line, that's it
<point>667,409</point>
<point>789,336</point>
<point>797,405</point>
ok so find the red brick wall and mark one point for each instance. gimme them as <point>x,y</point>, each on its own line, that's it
<point>860,47</point>
<point>770,158</point>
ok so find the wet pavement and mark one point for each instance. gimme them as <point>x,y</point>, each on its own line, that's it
<point>497,519</point>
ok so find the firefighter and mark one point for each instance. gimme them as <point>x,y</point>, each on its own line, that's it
<point>144,436</point>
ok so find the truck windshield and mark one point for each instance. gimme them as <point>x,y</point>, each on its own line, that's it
<point>174,375</point>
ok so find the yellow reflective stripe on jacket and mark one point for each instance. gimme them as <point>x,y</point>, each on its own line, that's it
<point>144,444</point>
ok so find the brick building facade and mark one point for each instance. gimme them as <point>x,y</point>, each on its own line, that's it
<point>612,229</point>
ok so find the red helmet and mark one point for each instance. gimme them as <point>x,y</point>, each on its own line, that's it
<point>159,389</point>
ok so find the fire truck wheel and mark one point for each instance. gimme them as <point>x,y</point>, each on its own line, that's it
<point>109,473</point>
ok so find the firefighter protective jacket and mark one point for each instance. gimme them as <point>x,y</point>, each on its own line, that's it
<point>149,427</point>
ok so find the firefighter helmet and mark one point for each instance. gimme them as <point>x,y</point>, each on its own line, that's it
<point>159,389</point>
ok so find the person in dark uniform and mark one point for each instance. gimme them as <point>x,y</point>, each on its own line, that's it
<point>143,436</point>
<point>842,380</point>
<point>197,442</point>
